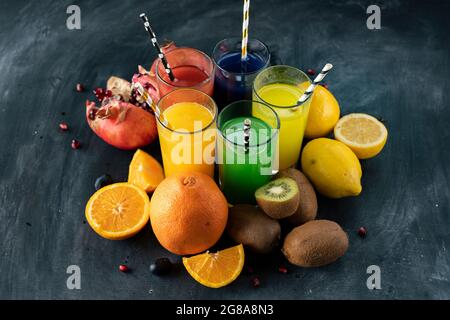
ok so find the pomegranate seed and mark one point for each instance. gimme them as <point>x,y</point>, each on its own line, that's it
<point>282,269</point>
<point>76,144</point>
<point>80,87</point>
<point>108,93</point>
<point>311,72</point>
<point>255,282</point>
<point>63,126</point>
<point>362,232</point>
<point>123,268</point>
<point>324,85</point>
<point>98,91</point>
<point>99,94</point>
<point>92,114</point>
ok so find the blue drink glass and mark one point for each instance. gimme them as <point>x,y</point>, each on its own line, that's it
<point>234,77</point>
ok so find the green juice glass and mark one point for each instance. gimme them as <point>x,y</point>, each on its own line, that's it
<point>244,168</point>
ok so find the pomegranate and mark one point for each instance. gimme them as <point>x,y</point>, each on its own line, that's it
<point>121,124</point>
<point>120,88</point>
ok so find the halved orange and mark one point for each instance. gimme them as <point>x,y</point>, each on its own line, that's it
<point>218,269</point>
<point>362,133</point>
<point>118,211</point>
<point>145,171</point>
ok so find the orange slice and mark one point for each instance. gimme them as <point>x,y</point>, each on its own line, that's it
<point>118,211</point>
<point>362,133</point>
<point>145,171</point>
<point>218,269</point>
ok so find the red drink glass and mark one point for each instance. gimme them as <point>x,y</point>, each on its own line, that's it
<point>191,68</point>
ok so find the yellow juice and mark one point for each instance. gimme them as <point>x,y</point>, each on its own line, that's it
<point>282,97</point>
<point>187,139</point>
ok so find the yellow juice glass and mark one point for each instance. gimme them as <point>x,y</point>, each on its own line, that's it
<point>187,131</point>
<point>281,87</point>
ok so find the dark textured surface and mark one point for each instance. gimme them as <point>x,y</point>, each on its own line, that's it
<point>399,73</point>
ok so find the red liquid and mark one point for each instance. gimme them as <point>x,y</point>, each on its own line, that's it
<point>186,76</point>
<point>191,69</point>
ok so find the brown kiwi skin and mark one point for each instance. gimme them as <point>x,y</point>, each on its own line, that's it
<point>248,225</point>
<point>276,210</point>
<point>315,244</point>
<point>307,209</point>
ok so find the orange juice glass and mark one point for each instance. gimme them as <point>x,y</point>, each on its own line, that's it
<point>187,131</point>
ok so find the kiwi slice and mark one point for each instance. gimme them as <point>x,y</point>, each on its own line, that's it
<point>279,198</point>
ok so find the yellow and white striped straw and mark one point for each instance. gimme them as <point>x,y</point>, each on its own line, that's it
<point>143,93</point>
<point>245,30</point>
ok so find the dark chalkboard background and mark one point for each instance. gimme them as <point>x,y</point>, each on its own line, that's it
<point>399,73</point>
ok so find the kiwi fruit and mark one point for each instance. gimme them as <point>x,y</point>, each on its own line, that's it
<point>307,209</point>
<point>248,225</point>
<point>315,243</point>
<point>279,198</point>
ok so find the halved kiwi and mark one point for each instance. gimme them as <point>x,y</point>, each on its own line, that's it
<point>279,198</point>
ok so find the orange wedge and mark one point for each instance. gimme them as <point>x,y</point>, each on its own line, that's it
<point>118,211</point>
<point>362,133</point>
<point>218,269</point>
<point>145,171</point>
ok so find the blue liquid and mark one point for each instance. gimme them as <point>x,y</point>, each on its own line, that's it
<point>235,81</point>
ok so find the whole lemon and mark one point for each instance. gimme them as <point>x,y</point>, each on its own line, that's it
<point>332,167</point>
<point>323,113</point>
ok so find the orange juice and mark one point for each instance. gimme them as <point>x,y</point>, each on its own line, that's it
<point>187,138</point>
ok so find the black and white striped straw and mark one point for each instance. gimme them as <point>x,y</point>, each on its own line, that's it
<point>247,125</point>
<point>316,81</point>
<point>155,43</point>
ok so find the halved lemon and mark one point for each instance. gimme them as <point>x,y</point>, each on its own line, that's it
<point>145,171</point>
<point>218,269</point>
<point>118,211</point>
<point>362,133</point>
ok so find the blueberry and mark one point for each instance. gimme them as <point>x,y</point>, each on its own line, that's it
<point>103,181</point>
<point>161,266</point>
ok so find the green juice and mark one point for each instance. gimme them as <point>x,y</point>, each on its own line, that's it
<point>242,172</point>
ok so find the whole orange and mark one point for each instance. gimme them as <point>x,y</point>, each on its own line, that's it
<point>188,213</point>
